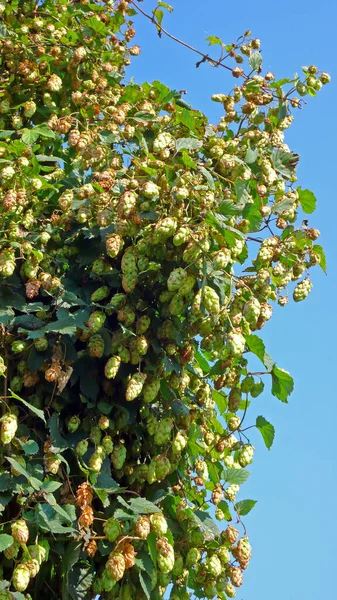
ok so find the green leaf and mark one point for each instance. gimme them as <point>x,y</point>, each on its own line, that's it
<point>80,581</point>
<point>213,40</point>
<point>284,162</point>
<point>5,133</point>
<point>29,447</point>
<point>220,400</point>
<point>105,482</point>
<point>188,144</point>
<point>208,177</point>
<point>206,523</point>
<point>244,506</point>
<point>146,583</point>
<point>6,482</point>
<point>267,431</point>
<point>167,6</point>
<point>39,413</point>
<point>317,249</point>
<point>255,61</point>
<point>188,162</point>
<point>307,200</point>
<point>5,541</point>
<point>70,556</point>
<point>30,136</point>
<point>203,363</point>
<point>142,506</point>
<point>236,476</point>
<point>256,345</point>
<point>187,117</point>
<point>251,155</point>
<point>144,117</point>
<point>35,483</point>
<point>97,25</point>
<point>107,137</point>
<point>282,384</point>
<point>50,486</point>
<point>151,544</point>
<point>58,442</point>
<point>223,505</point>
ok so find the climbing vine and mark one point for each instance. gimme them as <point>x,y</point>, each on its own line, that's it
<point>142,251</point>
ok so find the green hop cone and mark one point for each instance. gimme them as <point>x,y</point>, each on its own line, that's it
<point>234,423</point>
<point>112,529</point>
<point>73,423</point>
<point>142,325</point>
<point>230,590</point>
<point>224,554</point>
<point>177,305</point>
<point>112,366</point>
<point>181,237</point>
<point>158,524</point>
<point>82,447</point>
<point>21,577</point>
<point>257,389</point>
<point>210,588</point>
<point>96,462</point>
<point>41,344</point>
<point>246,455</point>
<point>96,435</point>
<point>163,467</point>
<point>166,563</point>
<point>164,229</point>
<point>96,321</point>
<point>176,279</point>
<point>235,343</point>
<point>251,311</point>
<point>179,442</point>
<point>116,566</point>
<point>96,346</point>
<point>231,491</point>
<point>18,346</point>
<point>118,456</point>
<point>302,290</point>
<point>211,300</point>
<point>150,390</point>
<point>103,422</point>
<point>129,281</point>
<point>214,566</point>
<point>32,564</point>
<point>9,425</point>
<point>100,294</point>
<point>151,473</point>
<point>135,386</point>
<point>20,531</point>
<point>193,557</point>
<point>246,384</point>
<point>163,432</point>
<point>142,345</point>
<point>5,595</point>
<point>187,286</point>
<point>234,399</point>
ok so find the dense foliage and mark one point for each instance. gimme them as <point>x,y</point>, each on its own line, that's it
<point>142,249</point>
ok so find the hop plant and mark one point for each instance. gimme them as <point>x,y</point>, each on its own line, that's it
<point>163,432</point>
<point>231,491</point>
<point>135,386</point>
<point>214,566</point>
<point>112,367</point>
<point>302,290</point>
<point>245,455</point>
<point>20,531</point>
<point>116,566</point>
<point>21,578</point>
<point>9,425</point>
<point>158,524</point>
<point>112,529</point>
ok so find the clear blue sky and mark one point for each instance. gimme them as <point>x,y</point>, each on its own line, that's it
<point>293,528</point>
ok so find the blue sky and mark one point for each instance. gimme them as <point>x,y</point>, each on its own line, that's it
<point>293,528</point>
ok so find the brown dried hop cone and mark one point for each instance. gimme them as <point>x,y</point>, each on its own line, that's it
<point>143,527</point>
<point>87,517</point>
<point>84,495</point>
<point>235,575</point>
<point>91,548</point>
<point>231,534</point>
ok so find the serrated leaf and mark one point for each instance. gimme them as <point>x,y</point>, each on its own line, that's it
<point>29,447</point>
<point>105,482</point>
<point>255,61</point>
<point>39,413</point>
<point>50,486</point>
<point>70,556</point>
<point>188,144</point>
<point>59,443</point>
<point>208,177</point>
<point>214,40</point>
<point>267,431</point>
<point>282,384</point>
<point>223,505</point>
<point>317,249</point>
<point>167,6</point>
<point>30,136</point>
<point>244,506</point>
<point>256,345</point>
<point>146,583</point>
<point>220,400</point>
<point>202,362</point>
<point>152,547</point>
<point>6,482</point>
<point>142,506</point>
<point>307,200</point>
<point>251,155</point>
<point>35,483</point>
<point>237,476</point>
<point>5,541</point>
<point>206,523</point>
<point>80,581</point>
<point>284,162</point>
